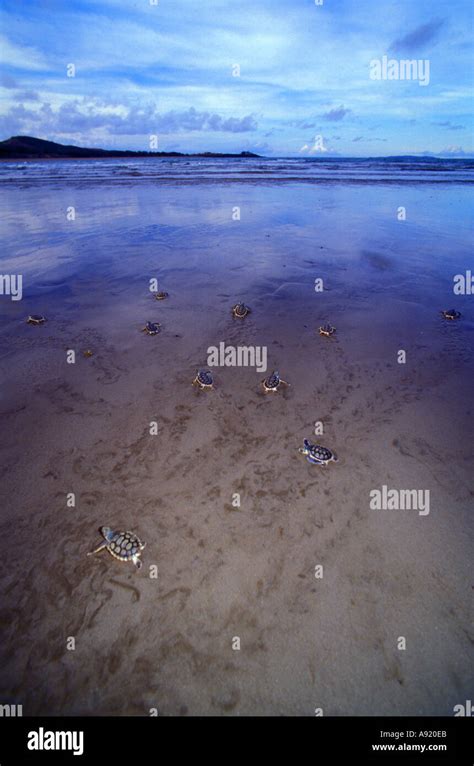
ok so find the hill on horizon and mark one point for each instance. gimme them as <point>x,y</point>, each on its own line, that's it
<point>29,147</point>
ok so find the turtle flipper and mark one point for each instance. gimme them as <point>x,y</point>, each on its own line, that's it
<point>98,549</point>
<point>313,460</point>
<point>137,562</point>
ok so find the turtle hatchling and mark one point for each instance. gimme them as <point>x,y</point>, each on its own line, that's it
<point>36,319</point>
<point>203,379</point>
<point>451,314</point>
<point>161,296</point>
<point>240,310</point>
<point>316,454</point>
<point>327,330</point>
<point>152,328</point>
<point>124,546</point>
<point>273,382</point>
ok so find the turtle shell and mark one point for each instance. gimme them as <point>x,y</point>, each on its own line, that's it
<point>124,545</point>
<point>320,453</point>
<point>327,329</point>
<point>273,380</point>
<point>36,319</point>
<point>204,377</point>
<point>451,314</point>
<point>240,310</point>
<point>161,296</point>
<point>152,328</point>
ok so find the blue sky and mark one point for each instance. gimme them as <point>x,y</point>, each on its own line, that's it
<point>168,70</point>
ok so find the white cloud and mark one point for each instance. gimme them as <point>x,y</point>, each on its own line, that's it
<point>22,57</point>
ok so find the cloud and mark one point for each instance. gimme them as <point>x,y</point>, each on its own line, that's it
<point>335,115</point>
<point>190,120</point>
<point>303,124</point>
<point>357,139</point>
<point>79,116</point>
<point>418,38</point>
<point>454,151</point>
<point>449,125</point>
<point>28,95</point>
<point>7,81</point>
<point>23,57</point>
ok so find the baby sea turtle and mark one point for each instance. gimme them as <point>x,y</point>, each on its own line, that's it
<point>87,353</point>
<point>451,314</point>
<point>240,310</point>
<point>124,546</point>
<point>36,319</point>
<point>273,382</point>
<point>316,454</point>
<point>152,328</point>
<point>161,296</point>
<point>203,379</point>
<point>327,330</point>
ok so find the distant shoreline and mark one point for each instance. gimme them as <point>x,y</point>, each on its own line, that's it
<point>31,148</point>
<point>40,158</point>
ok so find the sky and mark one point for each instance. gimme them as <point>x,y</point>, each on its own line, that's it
<point>278,77</point>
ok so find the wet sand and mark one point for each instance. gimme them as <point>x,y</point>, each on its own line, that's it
<point>223,571</point>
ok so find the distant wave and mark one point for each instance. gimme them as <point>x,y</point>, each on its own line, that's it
<point>393,170</point>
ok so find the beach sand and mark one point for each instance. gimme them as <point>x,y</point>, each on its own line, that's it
<point>224,571</point>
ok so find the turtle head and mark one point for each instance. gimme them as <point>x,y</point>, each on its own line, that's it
<point>305,448</point>
<point>106,532</point>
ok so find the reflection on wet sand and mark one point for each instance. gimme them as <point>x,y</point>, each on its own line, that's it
<point>230,568</point>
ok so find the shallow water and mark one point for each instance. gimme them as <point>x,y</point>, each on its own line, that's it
<point>225,571</point>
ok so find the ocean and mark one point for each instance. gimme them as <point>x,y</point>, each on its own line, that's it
<point>183,170</point>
